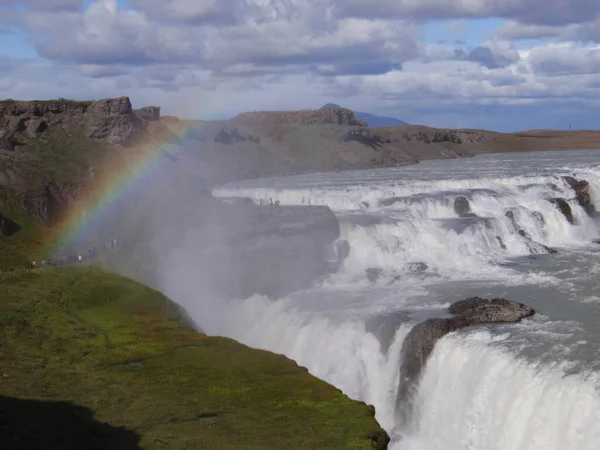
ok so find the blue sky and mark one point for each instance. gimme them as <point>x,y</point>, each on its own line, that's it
<point>510,65</point>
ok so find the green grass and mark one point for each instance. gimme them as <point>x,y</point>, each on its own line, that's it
<point>72,334</point>
<point>27,245</point>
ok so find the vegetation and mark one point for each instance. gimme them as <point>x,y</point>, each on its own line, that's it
<point>80,346</point>
<point>19,250</point>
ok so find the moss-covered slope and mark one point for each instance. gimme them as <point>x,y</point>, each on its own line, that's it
<point>116,353</point>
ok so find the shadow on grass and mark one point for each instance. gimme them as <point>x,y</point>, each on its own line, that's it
<point>32,425</point>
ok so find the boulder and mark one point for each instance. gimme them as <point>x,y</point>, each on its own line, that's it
<point>420,341</point>
<point>582,193</point>
<point>563,206</point>
<point>417,267</point>
<point>462,208</point>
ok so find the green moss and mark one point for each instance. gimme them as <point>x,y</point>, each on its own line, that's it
<point>123,351</point>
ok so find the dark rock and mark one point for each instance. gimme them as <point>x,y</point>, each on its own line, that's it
<point>420,341</point>
<point>7,226</point>
<point>582,193</point>
<point>51,202</point>
<point>417,267</point>
<point>233,136</point>
<point>462,207</point>
<point>564,207</point>
<point>511,217</point>
<point>501,243</point>
<point>365,136</point>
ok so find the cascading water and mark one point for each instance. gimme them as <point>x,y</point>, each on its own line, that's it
<point>529,386</point>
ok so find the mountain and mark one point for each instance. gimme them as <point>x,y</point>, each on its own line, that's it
<point>373,120</point>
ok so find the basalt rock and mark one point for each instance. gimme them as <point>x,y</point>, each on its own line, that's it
<point>582,194</point>
<point>501,243</point>
<point>563,206</point>
<point>462,208</point>
<point>420,341</point>
<point>417,267</point>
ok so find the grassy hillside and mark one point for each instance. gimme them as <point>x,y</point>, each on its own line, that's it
<point>92,360</point>
<point>25,246</point>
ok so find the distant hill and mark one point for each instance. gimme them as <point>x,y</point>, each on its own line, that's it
<point>373,120</point>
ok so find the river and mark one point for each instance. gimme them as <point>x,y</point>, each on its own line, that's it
<point>532,385</point>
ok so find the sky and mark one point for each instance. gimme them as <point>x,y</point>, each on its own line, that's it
<point>504,65</point>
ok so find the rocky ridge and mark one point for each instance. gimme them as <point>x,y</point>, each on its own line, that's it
<point>110,120</point>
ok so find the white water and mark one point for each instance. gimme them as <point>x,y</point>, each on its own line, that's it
<point>528,386</point>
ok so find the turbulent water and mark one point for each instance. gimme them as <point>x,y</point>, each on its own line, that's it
<point>532,385</point>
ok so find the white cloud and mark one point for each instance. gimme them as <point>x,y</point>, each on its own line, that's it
<point>215,58</point>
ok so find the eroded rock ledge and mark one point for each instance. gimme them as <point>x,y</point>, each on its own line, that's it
<point>473,311</point>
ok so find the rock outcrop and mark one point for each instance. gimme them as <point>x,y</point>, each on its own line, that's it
<point>327,116</point>
<point>534,247</point>
<point>582,194</point>
<point>462,208</point>
<point>366,137</point>
<point>110,120</point>
<point>233,136</point>
<point>149,113</point>
<point>420,341</point>
<point>563,206</point>
<point>7,226</point>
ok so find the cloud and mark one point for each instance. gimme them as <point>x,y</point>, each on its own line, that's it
<point>217,58</point>
<point>542,12</point>
<point>564,59</point>
<point>273,37</point>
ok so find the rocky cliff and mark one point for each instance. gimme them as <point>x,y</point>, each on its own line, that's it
<point>109,120</point>
<point>51,150</point>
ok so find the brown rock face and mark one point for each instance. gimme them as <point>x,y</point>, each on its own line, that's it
<point>111,120</point>
<point>149,113</point>
<point>52,202</point>
<point>582,193</point>
<point>328,116</point>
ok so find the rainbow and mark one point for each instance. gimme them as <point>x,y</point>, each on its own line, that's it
<point>136,166</point>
